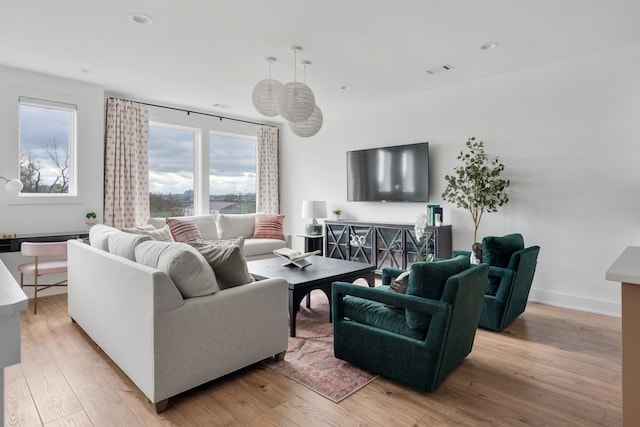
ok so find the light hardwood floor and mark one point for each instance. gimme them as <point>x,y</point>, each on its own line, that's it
<point>550,367</point>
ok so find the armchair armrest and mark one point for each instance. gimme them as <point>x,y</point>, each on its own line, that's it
<point>389,273</point>
<point>456,253</point>
<point>505,277</point>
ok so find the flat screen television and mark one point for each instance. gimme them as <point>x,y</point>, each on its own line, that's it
<point>397,173</point>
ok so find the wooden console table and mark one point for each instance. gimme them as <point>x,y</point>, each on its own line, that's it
<point>385,244</point>
<point>626,270</point>
<point>12,244</point>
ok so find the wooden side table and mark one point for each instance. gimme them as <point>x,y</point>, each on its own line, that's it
<point>313,242</point>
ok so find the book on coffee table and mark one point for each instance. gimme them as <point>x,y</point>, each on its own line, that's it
<point>296,258</point>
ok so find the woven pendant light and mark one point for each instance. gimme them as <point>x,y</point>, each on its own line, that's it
<point>265,94</point>
<point>309,127</point>
<point>296,100</point>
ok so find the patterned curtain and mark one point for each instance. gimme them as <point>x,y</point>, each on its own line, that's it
<point>268,197</point>
<point>126,164</point>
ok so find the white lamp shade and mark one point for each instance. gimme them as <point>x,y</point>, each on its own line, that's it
<point>14,185</point>
<point>296,102</point>
<point>265,97</point>
<point>309,127</point>
<point>314,209</point>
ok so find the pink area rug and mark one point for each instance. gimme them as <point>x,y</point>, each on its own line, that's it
<point>309,359</point>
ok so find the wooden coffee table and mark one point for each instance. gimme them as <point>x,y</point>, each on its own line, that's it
<point>319,275</point>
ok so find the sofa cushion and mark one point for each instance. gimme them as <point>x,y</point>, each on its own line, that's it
<point>162,234</point>
<point>231,226</point>
<point>427,280</point>
<point>206,224</point>
<point>380,316</point>
<point>184,229</point>
<point>99,235</point>
<point>497,251</point>
<point>227,262</point>
<point>268,227</point>
<point>191,273</point>
<point>123,244</point>
<point>253,247</point>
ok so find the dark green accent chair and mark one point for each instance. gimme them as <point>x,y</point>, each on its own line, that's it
<point>511,270</point>
<point>371,329</point>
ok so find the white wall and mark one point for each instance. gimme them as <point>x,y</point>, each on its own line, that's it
<point>568,135</point>
<point>50,216</point>
<point>567,132</point>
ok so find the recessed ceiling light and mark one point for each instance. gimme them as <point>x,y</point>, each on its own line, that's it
<point>489,46</point>
<point>440,69</point>
<point>140,18</point>
<point>345,87</point>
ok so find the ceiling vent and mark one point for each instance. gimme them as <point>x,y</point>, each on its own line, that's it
<point>440,69</point>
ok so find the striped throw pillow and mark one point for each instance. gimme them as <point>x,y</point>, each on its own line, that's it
<point>184,230</point>
<point>268,227</point>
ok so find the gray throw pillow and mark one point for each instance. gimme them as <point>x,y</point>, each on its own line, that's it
<point>399,285</point>
<point>188,270</point>
<point>227,262</point>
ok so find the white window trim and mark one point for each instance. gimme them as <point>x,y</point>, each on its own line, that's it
<point>12,165</point>
<point>73,142</point>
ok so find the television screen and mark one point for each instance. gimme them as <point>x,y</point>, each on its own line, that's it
<point>389,174</point>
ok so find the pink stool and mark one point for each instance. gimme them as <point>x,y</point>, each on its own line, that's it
<point>41,268</point>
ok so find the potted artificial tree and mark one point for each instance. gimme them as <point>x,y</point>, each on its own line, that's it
<point>476,185</point>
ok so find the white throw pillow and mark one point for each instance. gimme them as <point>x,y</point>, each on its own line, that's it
<point>231,226</point>
<point>207,226</point>
<point>191,273</point>
<point>162,234</point>
<point>123,244</point>
<point>99,235</point>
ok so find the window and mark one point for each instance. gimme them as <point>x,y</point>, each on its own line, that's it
<point>171,170</point>
<point>47,141</point>
<point>232,173</point>
<point>200,164</point>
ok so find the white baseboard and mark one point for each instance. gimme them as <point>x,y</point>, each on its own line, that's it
<point>574,302</point>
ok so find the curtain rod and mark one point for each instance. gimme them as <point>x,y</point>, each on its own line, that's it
<point>198,112</point>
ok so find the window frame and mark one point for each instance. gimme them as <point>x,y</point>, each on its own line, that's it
<point>207,125</point>
<point>12,161</point>
<point>72,142</point>
<point>253,137</point>
<point>197,141</point>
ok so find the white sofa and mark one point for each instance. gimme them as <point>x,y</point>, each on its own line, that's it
<point>231,226</point>
<point>165,343</point>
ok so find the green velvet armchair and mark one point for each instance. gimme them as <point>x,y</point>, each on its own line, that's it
<point>416,338</point>
<point>511,270</point>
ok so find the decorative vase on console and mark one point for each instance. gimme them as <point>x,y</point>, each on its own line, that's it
<point>421,233</point>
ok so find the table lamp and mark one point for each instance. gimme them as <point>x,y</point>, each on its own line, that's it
<point>13,185</point>
<point>314,209</point>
